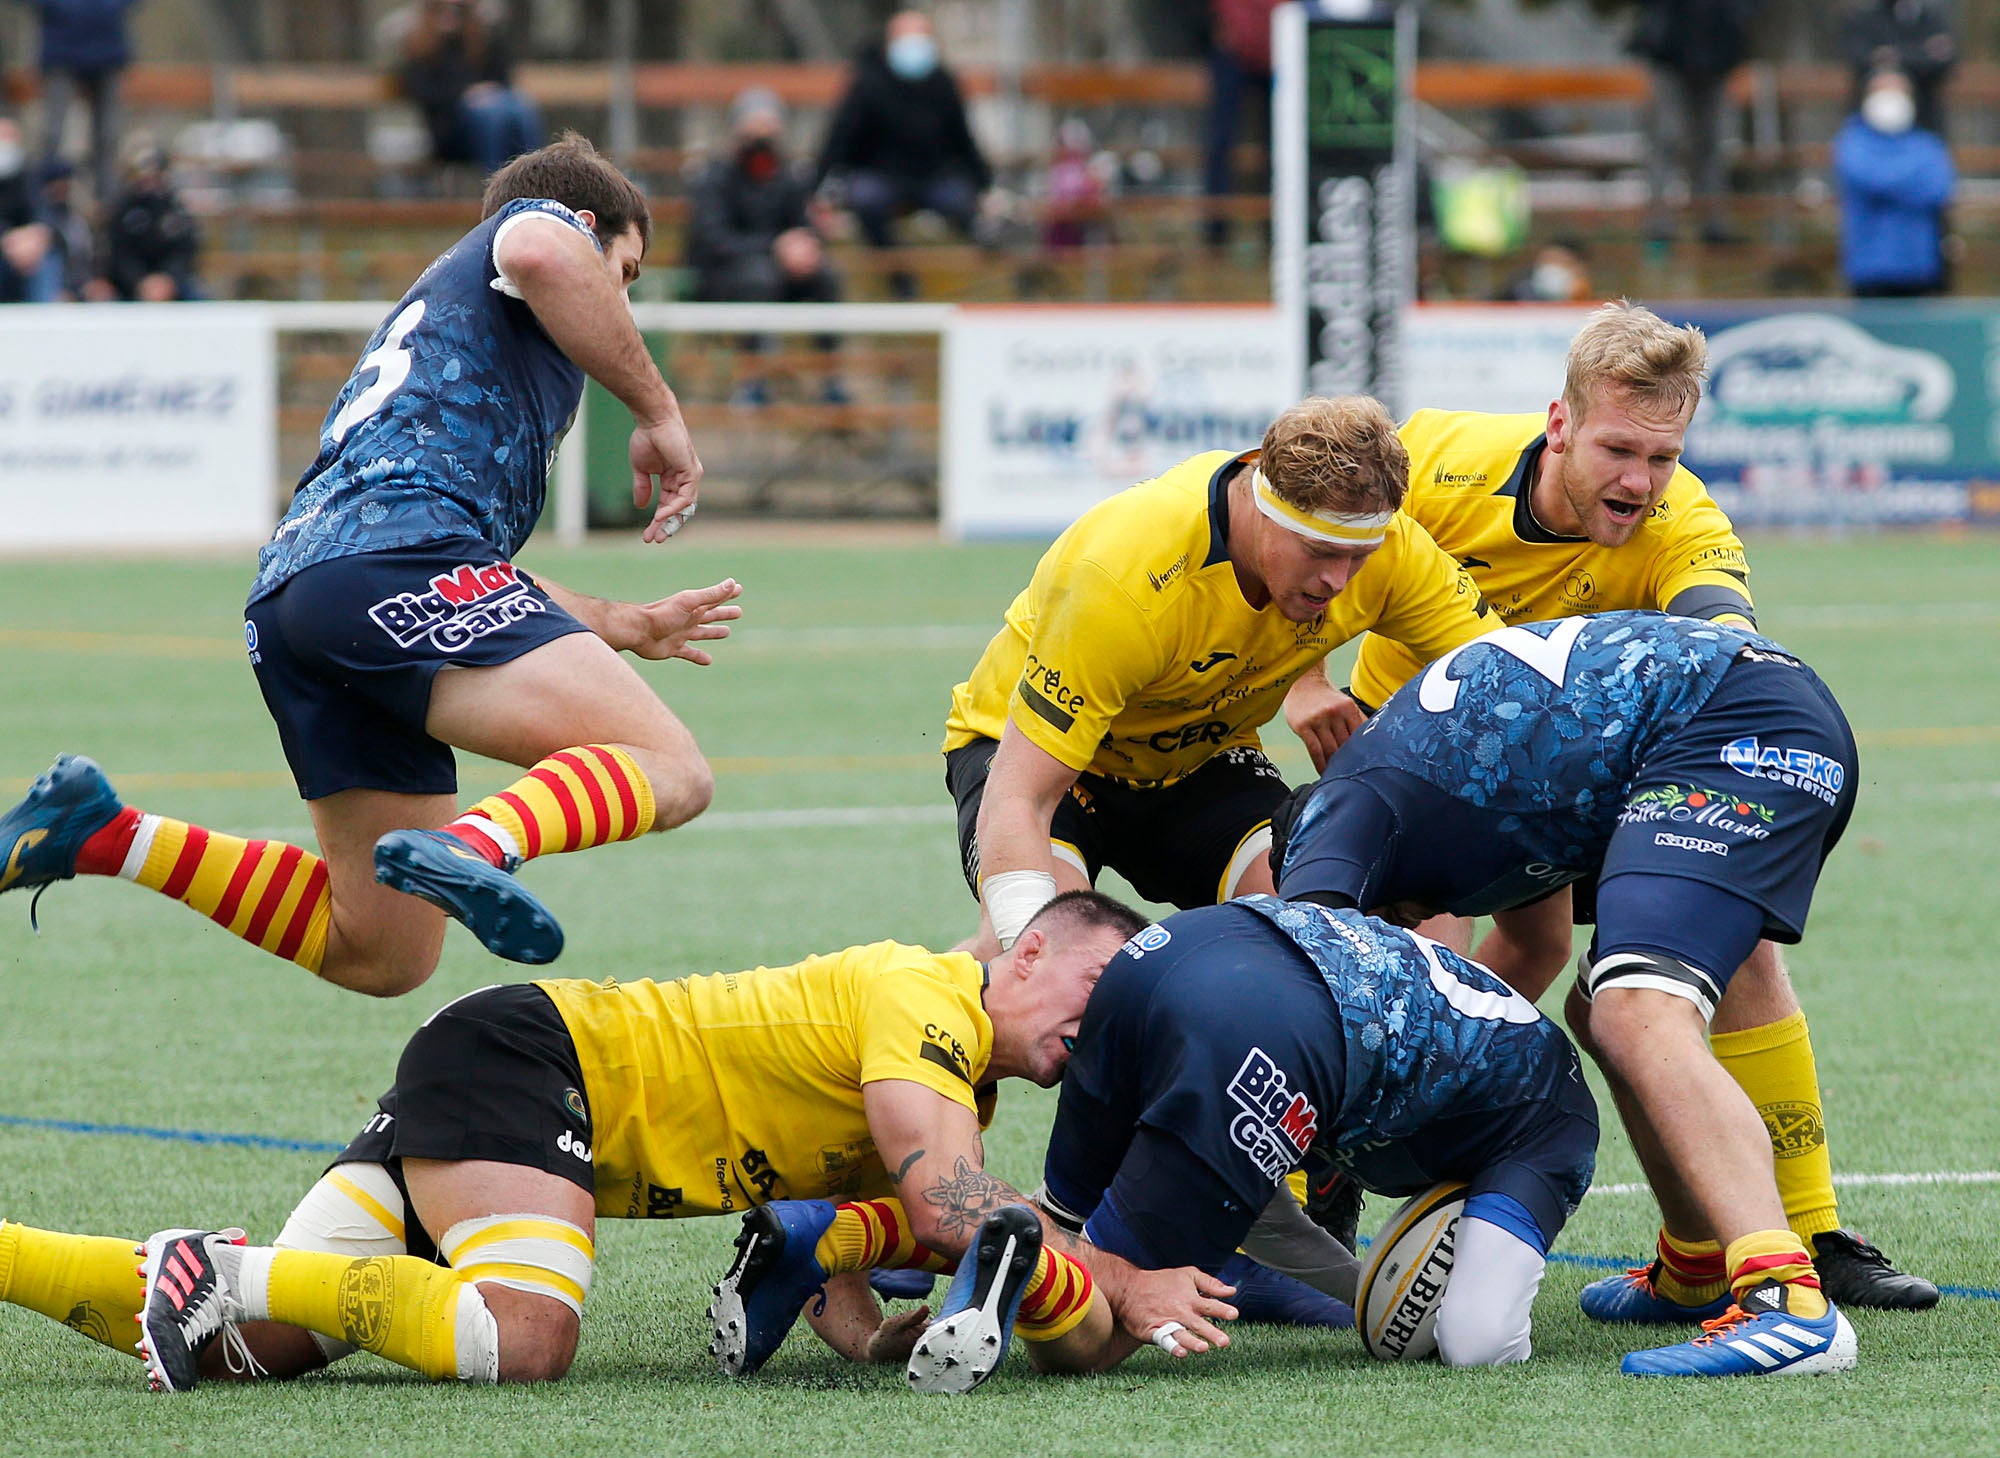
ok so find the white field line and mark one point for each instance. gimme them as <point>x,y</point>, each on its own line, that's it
<point>1854,1181</point>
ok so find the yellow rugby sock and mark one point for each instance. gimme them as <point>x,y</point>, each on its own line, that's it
<point>270,894</point>
<point>398,1307</point>
<point>1692,1272</point>
<point>90,1283</point>
<point>573,800</point>
<point>1774,1065</point>
<point>1775,1255</point>
<point>868,1234</point>
<point>1058,1297</point>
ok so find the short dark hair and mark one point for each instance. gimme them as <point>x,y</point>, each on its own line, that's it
<point>1080,911</point>
<point>574,173</point>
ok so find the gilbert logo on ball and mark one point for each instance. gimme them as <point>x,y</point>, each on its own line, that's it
<point>1409,1266</point>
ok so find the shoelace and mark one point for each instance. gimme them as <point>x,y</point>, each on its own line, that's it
<point>1716,1328</point>
<point>237,1356</point>
<point>34,902</point>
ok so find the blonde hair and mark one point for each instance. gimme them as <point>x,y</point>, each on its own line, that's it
<point>1336,453</point>
<point>1629,347</point>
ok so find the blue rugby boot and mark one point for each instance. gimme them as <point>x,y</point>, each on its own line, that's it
<point>776,1271</point>
<point>39,838</point>
<point>961,1348</point>
<point>1276,1299</point>
<point>1758,1337</point>
<point>1635,1298</point>
<point>496,908</point>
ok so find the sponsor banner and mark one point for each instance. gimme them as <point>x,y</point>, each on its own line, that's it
<point>1862,415</point>
<point>1503,358</point>
<point>1048,410</point>
<point>1344,199</point>
<point>137,426</point>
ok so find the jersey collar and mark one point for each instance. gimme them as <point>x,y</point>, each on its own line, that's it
<point>1218,508</point>
<point>1520,485</point>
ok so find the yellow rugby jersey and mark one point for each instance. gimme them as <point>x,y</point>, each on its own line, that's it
<point>1470,474</point>
<point>1132,653</point>
<point>713,1094</point>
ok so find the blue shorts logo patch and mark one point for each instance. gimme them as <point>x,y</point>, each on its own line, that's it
<point>1149,939</point>
<point>1802,769</point>
<point>1276,1126</point>
<point>461,606</point>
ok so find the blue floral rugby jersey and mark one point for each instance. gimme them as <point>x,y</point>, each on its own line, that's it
<point>448,424</point>
<point>1430,1039</point>
<point>1547,722</point>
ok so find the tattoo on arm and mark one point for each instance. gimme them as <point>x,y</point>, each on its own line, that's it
<point>903,1170</point>
<point>965,1197</point>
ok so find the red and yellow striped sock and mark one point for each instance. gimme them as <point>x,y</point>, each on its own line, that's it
<point>1775,1255</point>
<point>270,894</point>
<point>1057,1299</point>
<point>90,1283</point>
<point>573,800</point>
<point>1692,1272</point>
<point>868,1234</point>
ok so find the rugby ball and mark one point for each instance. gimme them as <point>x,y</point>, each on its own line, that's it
<point>1403,1283</point>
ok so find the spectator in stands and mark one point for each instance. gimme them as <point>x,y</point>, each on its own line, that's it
<point>1691,46</point>
<point>751,236</point>
<point>456,64</point>
<point>72,264</point>
<point>25,272</point>
<point>1073,191</point>
<point>83,50</point>
<point>1896,179</point>
<point>900,139</point>
<point>151,239</point>
<point>1911,36</point>
<point>1560,274</point>
<point>1239,82</point>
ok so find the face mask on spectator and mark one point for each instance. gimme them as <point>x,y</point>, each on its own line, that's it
<point>1555,282</point>
<point>1889,111</point>
<point>12,159</point>
<point>758,158</point>
<point>913,57</point>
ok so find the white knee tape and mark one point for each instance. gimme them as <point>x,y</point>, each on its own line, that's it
<point>475,1337</point>
<point>532,1253</point>
<point>355,1210</point>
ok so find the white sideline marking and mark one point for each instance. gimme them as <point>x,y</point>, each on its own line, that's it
<point>1851,1181</point>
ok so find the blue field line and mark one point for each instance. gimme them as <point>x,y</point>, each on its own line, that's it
<point>178,1136</point>
<point>322,1146</point>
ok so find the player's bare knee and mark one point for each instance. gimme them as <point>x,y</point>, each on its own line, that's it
<point>683,787</point>
<point>537,1334</point>
<point>1576,1013</point>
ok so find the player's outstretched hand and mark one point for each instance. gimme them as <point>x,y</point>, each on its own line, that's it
<point>675,627</point>
<point>1322,716</point>
<point>662,449</point>
<point>897,1336</point>
<point>1186,1297</point>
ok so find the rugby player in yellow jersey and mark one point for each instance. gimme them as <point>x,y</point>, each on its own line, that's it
<point>454,1235</point>
<point>1588,509</point>
<point>1113,720</point>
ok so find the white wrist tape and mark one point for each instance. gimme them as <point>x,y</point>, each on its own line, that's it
<point>1012,899</point>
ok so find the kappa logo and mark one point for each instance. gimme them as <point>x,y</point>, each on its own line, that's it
<point>1695,843</point>
<point>463,605</point>
<point>1277,1125</point>
<point>1802,769</point>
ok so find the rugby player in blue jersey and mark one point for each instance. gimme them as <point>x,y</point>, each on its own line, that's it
<point>1700,774</point>
<point>1223,1049</point>
<point>388,624</point>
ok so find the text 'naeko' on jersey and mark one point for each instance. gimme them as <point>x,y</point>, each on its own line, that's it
<point>1132,654</point>
<point>448,424</point>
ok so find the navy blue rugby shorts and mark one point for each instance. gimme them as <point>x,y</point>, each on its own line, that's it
<point>345,653</point>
